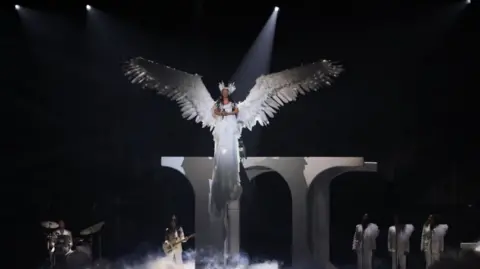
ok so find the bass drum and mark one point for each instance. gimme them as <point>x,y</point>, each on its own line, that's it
<point>82,246</point>
<point>78,260</point>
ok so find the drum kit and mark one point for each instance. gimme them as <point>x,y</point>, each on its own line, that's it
<point>66,252</point>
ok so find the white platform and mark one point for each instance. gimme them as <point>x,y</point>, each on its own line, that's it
<point>308,178</point>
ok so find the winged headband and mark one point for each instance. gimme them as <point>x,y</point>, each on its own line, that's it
<point>231,87</point>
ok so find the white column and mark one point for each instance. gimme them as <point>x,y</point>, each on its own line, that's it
<point>233,215</point>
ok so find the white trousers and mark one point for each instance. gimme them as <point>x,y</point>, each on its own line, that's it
<point>364,259</point>
<point>176,256</point>
<point>400,260</point>
<point>431,257</point>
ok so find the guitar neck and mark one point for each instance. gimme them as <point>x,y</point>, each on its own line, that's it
<point>178,241</point>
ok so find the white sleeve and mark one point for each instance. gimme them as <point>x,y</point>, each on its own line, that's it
<point>443,231</point>
<point>355,240</point>
<point>181,235</point>
<point>422,240</point>
<point>374,234</point>
<point>390,239</point>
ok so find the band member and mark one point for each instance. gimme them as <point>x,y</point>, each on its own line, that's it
<point>364,242</point>
<point>174,237</point>
<point>399,242</point>
<point>432,242</point>
<point>62,231</point>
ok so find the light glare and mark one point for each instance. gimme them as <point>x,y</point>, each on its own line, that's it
<point>276,8</point>
<point>17,7</point>
<point>88,7</point>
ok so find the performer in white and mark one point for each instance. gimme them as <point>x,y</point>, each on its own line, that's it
<point>174,237</point>
<point>224,117</point>
<point>432,242</point>
<point>399,243</point>
<point>66,234</point>
<point>364,242</point>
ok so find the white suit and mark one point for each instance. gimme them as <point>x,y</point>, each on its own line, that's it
<point>432,242</point>
<point>364,242</point>
<point>399,245</point>
<point>176,254</point>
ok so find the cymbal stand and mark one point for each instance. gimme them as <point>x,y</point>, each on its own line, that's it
<point>100,245</point>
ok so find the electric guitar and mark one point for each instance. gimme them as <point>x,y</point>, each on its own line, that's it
<point>169,246</point>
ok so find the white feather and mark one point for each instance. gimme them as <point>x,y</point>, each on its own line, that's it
<point>441,230</point>
<point>409,228</point>
<point>186,89</point>
<point>372,230</point>
<point>275,90</point>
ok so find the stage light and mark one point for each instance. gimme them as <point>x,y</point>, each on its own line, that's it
<point>88,7</point>
<point>469,1</point>
<point>17,7</point>
<point>276,8</point>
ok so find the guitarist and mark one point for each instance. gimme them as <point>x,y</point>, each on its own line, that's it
<point>175,234</point>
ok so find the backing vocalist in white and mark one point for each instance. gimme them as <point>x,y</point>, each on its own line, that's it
<point>432,242</point>
<point>364,242</point>
<point>174,237</point>
<point>399,243</point>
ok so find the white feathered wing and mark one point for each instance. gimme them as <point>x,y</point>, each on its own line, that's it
<point>274,90</point>
<point>186,89</point>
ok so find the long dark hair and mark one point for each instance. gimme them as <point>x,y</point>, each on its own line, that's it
<point>365,220</point>
<point>219,101</point>
<point>433,222</point>
<point>399,222</point>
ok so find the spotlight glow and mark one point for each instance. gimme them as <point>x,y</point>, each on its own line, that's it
<point>17,7</point>
<point>276,8</point>
<point>469,1</point>
<point>88,7</point>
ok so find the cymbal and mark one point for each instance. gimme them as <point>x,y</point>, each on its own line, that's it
<point>49,224</point>
<point>92,229</point>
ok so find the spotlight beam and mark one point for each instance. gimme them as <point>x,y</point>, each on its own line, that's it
<point>88,7</point>
<point>17,7</point>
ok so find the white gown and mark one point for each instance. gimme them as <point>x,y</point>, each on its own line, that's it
<point>268,95</point>
<point>225,185</point>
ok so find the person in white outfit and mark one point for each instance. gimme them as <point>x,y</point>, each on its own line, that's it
<point>399,243</point>
<point>65,234</point>
<point>432,242</point>
<point>364,242</point>
<point>175,237</point>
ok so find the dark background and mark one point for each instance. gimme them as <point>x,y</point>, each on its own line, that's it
<point>84,145</point>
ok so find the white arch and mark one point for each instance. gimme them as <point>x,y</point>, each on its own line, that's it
<point>298,172</point>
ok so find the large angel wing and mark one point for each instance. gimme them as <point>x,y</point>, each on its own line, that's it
<point>274,90</point>
<point>187,89</point>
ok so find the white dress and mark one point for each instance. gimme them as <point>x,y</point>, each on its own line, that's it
<point>225,184</point>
